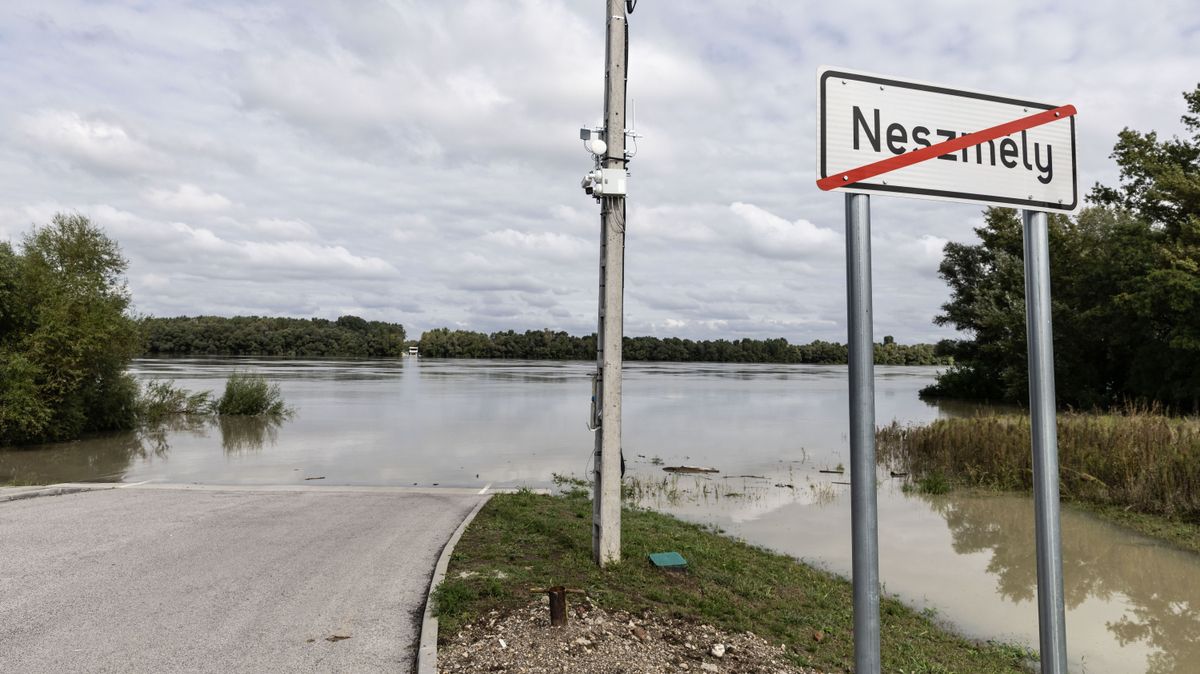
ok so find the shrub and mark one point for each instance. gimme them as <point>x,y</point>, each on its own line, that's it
<point>251,395</point>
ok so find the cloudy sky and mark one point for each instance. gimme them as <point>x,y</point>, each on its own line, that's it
<point>419,162</point>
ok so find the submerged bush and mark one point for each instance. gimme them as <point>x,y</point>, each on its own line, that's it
<point>160,400</point>
<point>251,395</point>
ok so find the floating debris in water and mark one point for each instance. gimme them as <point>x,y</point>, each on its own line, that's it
<point>315,478</point>
<point>690,469</point>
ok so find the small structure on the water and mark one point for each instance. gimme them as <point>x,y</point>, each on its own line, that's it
<point>414,351</point>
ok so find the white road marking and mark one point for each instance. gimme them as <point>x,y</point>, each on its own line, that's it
<point>487,487</point>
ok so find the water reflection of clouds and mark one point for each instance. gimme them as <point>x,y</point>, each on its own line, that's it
<point>1161,586</point>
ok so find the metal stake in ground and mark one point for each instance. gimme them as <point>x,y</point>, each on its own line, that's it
<point>864,521</point>
<point>606,502</point>
<point>1039,331</point>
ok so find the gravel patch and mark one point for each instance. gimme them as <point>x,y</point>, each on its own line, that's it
<point>600,642</point>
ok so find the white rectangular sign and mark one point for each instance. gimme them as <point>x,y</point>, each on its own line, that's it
<point>864,118</point>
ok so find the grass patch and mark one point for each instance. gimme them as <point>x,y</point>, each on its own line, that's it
<point>248,394</point>
<point>523,541</point>
<point>1140,468</point>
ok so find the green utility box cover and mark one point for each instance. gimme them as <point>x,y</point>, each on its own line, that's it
<point>668,560</point>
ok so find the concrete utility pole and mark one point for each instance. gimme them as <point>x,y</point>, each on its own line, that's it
<point>606,502</point>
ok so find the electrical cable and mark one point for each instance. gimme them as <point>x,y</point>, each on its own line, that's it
<point>629,5</point>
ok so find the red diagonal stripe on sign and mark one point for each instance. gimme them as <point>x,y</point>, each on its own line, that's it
<point>845,178</point>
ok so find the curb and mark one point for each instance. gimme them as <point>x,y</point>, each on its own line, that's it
<point>53,490</point>
<point>427,652</point>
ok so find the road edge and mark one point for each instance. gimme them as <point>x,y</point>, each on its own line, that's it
<point>427,651</point>
<point>19,494</point>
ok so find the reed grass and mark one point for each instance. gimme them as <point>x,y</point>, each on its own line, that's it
<point>1137,459</point>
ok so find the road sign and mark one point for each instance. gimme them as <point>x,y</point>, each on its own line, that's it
<point>879,134</point>
<point>1026,161</point>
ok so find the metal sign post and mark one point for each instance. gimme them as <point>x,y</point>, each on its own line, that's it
<point>864,519</point>
<point>1051,617</point>
<point>900,137</point>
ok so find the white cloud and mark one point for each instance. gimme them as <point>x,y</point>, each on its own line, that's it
<point>188,198</point>
<point>541,244</point>
<point>90,142</point>
<point>770,235</point>
<point>292,259</point>
<point>281,228</point>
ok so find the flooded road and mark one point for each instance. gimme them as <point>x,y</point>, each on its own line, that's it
<point>769,429</point>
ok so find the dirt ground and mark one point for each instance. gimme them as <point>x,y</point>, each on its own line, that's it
<point>600,642</point>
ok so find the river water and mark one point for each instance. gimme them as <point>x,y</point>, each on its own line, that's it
<point>770,429</point>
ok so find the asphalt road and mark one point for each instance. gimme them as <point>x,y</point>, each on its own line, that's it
<point>174,580</point>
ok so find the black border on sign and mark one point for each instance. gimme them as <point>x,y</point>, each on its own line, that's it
<point>966,196</point>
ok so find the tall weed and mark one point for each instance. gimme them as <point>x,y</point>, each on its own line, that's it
<point>1137,458</point>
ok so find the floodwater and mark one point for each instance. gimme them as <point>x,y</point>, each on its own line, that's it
<point>769,429</point>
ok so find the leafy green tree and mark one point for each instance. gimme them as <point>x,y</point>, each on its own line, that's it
<point>1125,276</point>
<point>1160,184</point>
<point>67,336</point>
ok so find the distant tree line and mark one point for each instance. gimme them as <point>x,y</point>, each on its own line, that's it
<point>348,336</point>
<point>558,345</point>
<point>1125,275</point>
